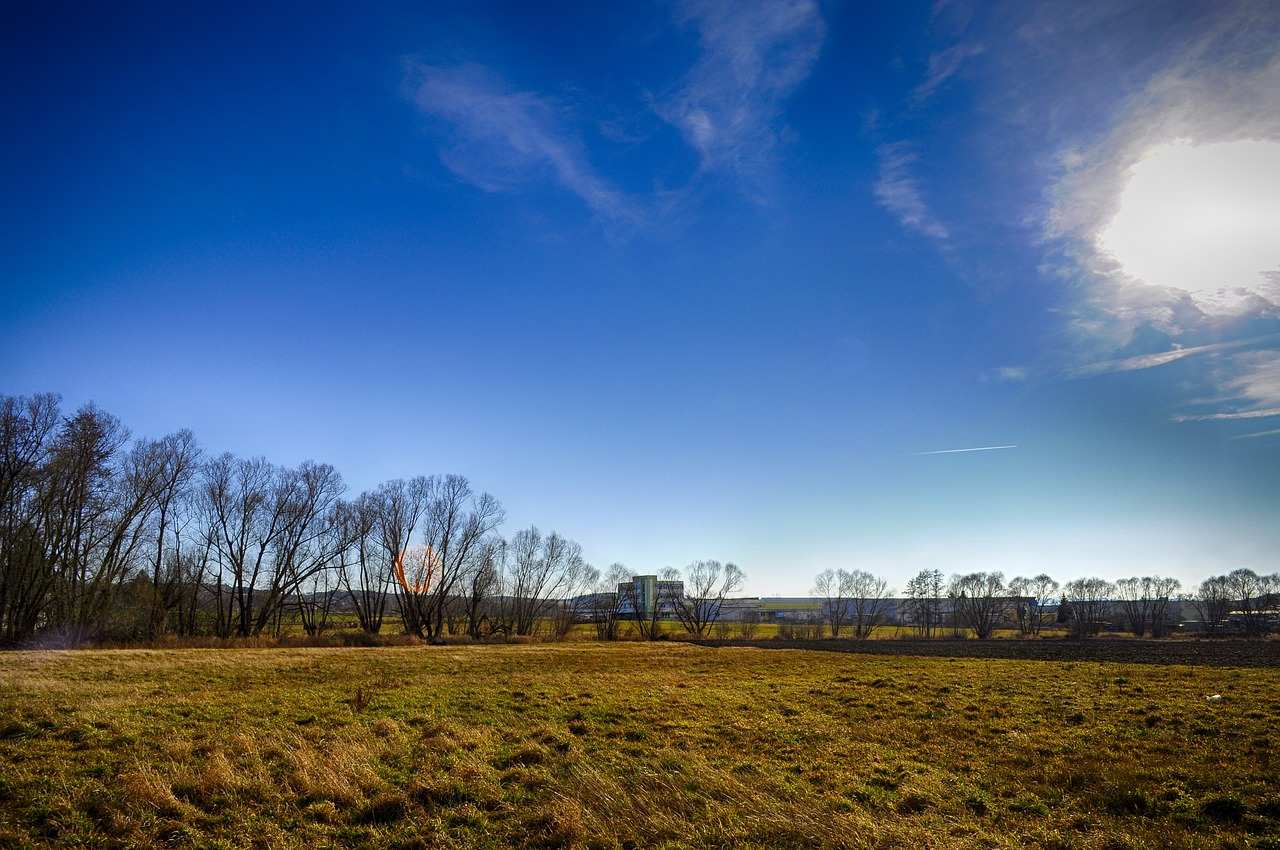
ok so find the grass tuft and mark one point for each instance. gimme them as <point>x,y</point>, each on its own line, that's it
<point>384,809</point>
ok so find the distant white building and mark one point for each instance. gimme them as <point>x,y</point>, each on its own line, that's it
<point>645,596</point>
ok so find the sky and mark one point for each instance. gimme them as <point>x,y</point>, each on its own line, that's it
<point>682,280</point>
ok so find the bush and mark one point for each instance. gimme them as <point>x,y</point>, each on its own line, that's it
<point>799,630</point>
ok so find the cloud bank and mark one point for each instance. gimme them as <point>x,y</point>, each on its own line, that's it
<point>1170,218</point>
<point>1134,149</point>
<point>1222,91</point>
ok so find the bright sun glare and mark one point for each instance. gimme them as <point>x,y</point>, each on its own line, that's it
<point>1203,219</point>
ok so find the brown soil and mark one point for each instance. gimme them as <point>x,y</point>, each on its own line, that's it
<point>1212,653</point>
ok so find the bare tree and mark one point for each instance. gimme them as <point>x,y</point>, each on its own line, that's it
<point>308,497</point>
<point>1134,604</point>
<point>979,601</point>
<point>101,502</point>
<point>27,426</point>
<point>175,460</point>
<point>260,518</point>
<point>482,582</point>
<point>606,607</point>
<point>456,524</point>
<point>851,598</point>
<point>1213,601</point>
<point>1088,602</point>
<point>315,589</point>
<point>1256,597</point>
<point>574,604</point>
<point>546,578</point>
<point>924,602</point>
<point>707,584</point>
<point>1145,603</point>
<point>237,492</point>
<point>1029,598</point>
<point>1164,592</point>
<point>629,601</point>
<point>395,510</point>
<point>190,562</point>
<point>868,601</point>
<point>832,587</point>
<point>313,559</point>
<point>366,573</point>
<point>526,574</point>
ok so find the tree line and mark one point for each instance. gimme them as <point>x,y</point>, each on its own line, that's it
<point>104,537</point>
<point>1240,602</point>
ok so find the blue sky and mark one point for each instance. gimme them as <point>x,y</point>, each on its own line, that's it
<point>682,280</point>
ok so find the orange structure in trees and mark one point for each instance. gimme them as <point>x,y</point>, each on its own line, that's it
<point>425,565</point>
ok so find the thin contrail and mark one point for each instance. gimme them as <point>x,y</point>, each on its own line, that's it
<point>956,451</point>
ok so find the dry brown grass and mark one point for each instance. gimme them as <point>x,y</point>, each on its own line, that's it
<point>632,745</point>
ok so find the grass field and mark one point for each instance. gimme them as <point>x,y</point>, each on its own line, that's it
<point>629,745</point>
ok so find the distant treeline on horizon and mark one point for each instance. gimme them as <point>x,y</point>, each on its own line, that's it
<point>103,537</point>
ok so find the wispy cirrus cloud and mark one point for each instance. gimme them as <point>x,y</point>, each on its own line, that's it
<point>943,65</point>
<point>1148,361</point>
<point>504,137</point>
<point>898,190</point>
<point>898,186</point>
<point>1012,374</point>
<point>1258,378</point>
<point>728,106</point>
<point>754,56</point>
<point>1253,390</point>
<point>1272,433</point>
<point>1223,417</point>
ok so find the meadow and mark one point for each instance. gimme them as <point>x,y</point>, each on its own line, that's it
<point>630,745</point>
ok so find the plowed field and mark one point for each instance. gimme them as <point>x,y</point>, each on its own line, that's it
<point>1211,653</point>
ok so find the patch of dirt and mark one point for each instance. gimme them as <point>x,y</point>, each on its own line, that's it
<point>1210,653</point>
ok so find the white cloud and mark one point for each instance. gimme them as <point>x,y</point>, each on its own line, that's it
<point>898,191</point>
<point>1220,417</point>
<point>943,65</point>
<point>898,188</point>
<point>1273,432</point>
<point>1167,218</point>
<point>1253,388</point>
<point>1016,374</point>
<point>505,137</point>
<point>1202,220</point>
<point>1068,98</point>
<point>754,55</point>
<point>728,106</point>
<point>1147,361</point>
<point>1259,378</point>
<point>1213,112</point>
